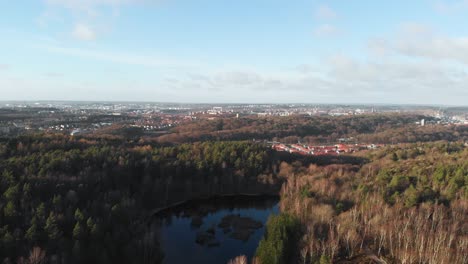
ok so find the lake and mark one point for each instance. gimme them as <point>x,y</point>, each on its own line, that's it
<point>214,230</point>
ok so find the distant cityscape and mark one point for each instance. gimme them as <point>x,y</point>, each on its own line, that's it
<point>87,117</point>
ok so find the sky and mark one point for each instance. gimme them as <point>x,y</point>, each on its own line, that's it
<point>242,51</point>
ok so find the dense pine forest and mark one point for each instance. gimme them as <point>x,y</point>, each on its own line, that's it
<point>86,201</point>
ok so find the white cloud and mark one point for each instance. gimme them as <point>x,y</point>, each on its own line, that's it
<point>32,88</point>
<point>325,12</point>
<point>340,78</point>
<point>447,7</point>
<point>85,5</point>
<point>419,41</point>
<point>90,7</point>
<point>306,68</point>
<point>4,66</point>
<point>238,78</point>
<point>83,32</point>
<point>97,13</point>
<point>438,48</point>
<point>414,81</point>
<point>325,30</point>
<point>347,69</point>
<point>411,29</point>
<point>378,47</point>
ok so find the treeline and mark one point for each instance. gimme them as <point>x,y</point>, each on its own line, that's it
<point>290,129</point>
<point>413,134</point>
<point>409,204</point>
<point>72,200</point>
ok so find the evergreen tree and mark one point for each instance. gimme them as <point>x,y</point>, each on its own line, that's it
<point>281,236</point>
<point>32,234</point>
<point>78,231</point>
<point>94,231</point>
<point>7,178</point>
<point>12,193</point>
<point>41,212</point>
<point>89,223</point>
<point>57,202</point>
<point>411,196</point>
<point>79,215</point>
<point>10,209</point>
<point>51,227</point>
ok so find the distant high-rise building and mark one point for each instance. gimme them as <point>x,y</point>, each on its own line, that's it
<point>423,122</point>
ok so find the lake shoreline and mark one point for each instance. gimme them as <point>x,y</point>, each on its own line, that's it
<point>214,229</point>
<point>157,211</point>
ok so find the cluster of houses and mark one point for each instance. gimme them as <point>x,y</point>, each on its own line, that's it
<point>323,150</point>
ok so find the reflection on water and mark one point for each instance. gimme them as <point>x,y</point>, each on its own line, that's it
<point>215,230</point>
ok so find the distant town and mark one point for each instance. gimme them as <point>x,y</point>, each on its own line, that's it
<point>77,118</point>
<point>328,150</point>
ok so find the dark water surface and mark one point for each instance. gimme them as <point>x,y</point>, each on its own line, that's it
<point>192,233</point>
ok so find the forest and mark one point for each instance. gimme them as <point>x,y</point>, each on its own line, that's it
<point>385,129</point>
<point>408,204</point>
<point>87,199</point>
<point>72,200</point>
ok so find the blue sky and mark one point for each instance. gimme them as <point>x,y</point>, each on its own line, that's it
<point>255,51</point>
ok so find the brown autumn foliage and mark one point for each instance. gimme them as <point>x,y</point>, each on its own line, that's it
<point>386,128</point>
<point>374,211</point>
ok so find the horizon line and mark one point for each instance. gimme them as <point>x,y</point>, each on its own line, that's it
<point>233,103</point>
